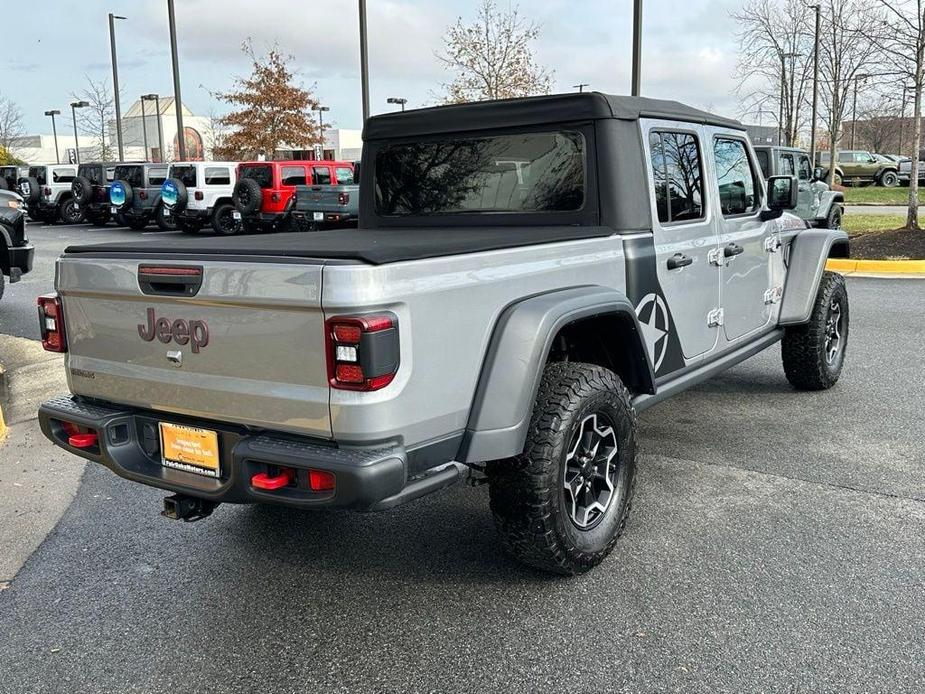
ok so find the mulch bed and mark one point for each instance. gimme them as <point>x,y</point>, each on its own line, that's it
<point>898,244</point>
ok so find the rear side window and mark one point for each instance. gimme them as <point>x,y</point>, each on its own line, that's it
<point>677,173</point>
<point>38,173</point>
<point>262,174</point>
<point>63,175</point>
<point>344,175</point>
<point>738,192</point>
<point>157,176</point>
<point>522,173</point>
<point>185,174</point>
<point>133,175</point>
<point>218,176</point>
<point>293,176</point>
<point>321,176</point>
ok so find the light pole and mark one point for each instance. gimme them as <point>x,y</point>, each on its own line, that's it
<point>854,108</point>
<point>321,111</point>
<point>177,102</point>
<point>160,133</point>
<point>54,131</point>
<point>144,127</point>
<point>115,81</point>
<point>397,100</point>
<point>364,62</point>
<point>74,106</point>
<point>637,48</point>
<point>581,86</point>
<point>812,130</point>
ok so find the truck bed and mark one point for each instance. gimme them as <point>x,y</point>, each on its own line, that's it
<point>372,246</point>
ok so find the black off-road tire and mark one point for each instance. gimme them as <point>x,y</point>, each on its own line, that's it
<point>136,223</point>
<point>98,219</point>
<point>223,221</point>
<point>34,188</point>
<point>188,226</point>
<point>247,196</point>
<point>82,189</point>
<point>164,223</point>
<point>804,347</point>
<point>527,494</point>
<point>67,213</point>
<point>833,219</point>
<point>889,179</point>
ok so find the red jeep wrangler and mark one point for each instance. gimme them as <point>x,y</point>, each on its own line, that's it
<point>265,192</point>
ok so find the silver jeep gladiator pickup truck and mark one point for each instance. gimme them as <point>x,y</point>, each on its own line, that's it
<point>528,276</point>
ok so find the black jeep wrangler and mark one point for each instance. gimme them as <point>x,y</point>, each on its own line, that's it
<point>16,253</point>
<point>91,190</point>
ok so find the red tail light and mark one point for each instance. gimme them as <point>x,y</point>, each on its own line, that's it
<point>321,481</point>
<point>143,194</point>
<point>363,351</point>
<point>198,195</point>
<point>47,191</point>
<point>51,323</point>
<point>343,199</point>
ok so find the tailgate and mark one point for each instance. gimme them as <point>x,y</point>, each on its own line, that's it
<point>319,198</point>
<point>247,347</point>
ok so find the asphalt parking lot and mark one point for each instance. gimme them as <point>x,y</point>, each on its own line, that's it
<point>775,544</point>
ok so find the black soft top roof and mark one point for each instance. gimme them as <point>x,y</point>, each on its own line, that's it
<point>534,110</point>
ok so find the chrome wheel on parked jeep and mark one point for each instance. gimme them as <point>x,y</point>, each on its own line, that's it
<point>561,505</point>
<point>814,353</point>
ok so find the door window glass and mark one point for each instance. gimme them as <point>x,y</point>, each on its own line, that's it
<point>344,175</point>
<point>764,161</point>
<point>677,176</point>
<point>786,165</point>
<point>738,193</point>
<point>293,176</point>
<point>321,176</point>
<point>63,175</point>
<point>845,157</point>
<point>805,172</point>
<point>218,176</point>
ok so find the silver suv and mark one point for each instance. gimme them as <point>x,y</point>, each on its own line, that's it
<point>47,192</point>
<point>816,202</point>
<point>528,276</point>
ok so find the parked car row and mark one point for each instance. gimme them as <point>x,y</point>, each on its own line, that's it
<point>857,167</point>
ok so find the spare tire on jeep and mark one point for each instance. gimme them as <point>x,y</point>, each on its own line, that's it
<point>82,189</point>
<point>30,189</point>
<point>174,195</point>
<point>121,194</point>
<point>247,196</point>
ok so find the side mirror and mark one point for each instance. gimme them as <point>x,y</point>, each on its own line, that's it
<point>782,195</point>
<point>818,173</point>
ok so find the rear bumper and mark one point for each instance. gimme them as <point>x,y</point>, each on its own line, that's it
<point>308,216</point>
<point>192,215</point>
<point>21,258</point>
<point>129,445</point>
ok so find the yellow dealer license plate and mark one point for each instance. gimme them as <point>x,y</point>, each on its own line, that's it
<point>190,449</point>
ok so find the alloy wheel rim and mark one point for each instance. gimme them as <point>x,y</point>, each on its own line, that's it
<point>589,482</point>
<point>833,332</point>
<point>226,222</point>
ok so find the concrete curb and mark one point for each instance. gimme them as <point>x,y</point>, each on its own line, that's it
<point>880,204</point>
<point>2,397</point>
<point>900,268</point>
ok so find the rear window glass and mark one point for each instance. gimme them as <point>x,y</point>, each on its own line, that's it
<point>293,176</point>
<point>677,176</point>
<point>185,174</point>
<point>262,174</point>
<point>521,173</point>
<point>157,176</point>
<point>94,174</point>
<point>133,175</point>
<point>344,175</point>
<point>38,173</point>
<point>321,176</point>
<point>63,175</point>
<point>218,176</point>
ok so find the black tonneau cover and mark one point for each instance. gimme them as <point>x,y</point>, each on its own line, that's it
<point>373,246</point>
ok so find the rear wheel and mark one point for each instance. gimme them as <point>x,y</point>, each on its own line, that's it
<point>561,505</point>
<point>136,223</point>
<point>223,221</point>
<point>98,219</point>
<point>188,226</point>
<point>69,212</point>
<point>164,223</point>
<point>814,353</point>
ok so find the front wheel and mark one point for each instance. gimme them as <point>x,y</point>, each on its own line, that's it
<point>814,353</point>
<point>889,179</point>
<point>561,505</point>
<point>833,218</point>
<point>223,221</point>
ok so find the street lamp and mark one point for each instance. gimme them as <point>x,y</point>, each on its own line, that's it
<point>144,128</point>
<point>115,80</point>
<point>160,133</point>
<point>854,108</point>
<point>54,130</point>
<point>177,103</point>
<point>581,86</point>
<point>74,106</point>
<point>398,100</point>
<point>812,131</point>
<point>321,111</point>
<point>364,62</point>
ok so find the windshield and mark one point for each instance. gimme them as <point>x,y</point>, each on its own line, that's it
<point>186,174</point>
<point>262,174</point>
<point>520,173</point>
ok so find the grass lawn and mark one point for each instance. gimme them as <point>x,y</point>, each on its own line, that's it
<point>856,224</point>
<point>883,196</point>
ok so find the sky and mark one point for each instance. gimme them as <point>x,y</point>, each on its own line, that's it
<point>689,49</point>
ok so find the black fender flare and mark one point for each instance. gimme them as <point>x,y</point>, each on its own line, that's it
<point>6,243</point>
<point>517,353</point>
<point>808,252</point>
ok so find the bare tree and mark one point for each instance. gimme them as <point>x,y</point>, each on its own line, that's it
<point>96,119</point>
<point>844,53</point>
<point>217,133</point>
<point>11,125</point>
<point>900,34</point>
<point>775,61</point>
<point>493,57</point>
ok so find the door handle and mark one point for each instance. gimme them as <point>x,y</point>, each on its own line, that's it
<point>732,250</point>
<point>679,260</point>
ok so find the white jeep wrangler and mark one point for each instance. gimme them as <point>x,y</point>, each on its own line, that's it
<point>46,191</point>
<point>197,193</point>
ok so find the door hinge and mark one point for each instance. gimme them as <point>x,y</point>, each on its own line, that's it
<point>715,318</point>
<point>772,243</point>
<point>773,295</point>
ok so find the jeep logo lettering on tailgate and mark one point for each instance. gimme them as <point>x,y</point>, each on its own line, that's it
<point>194,332</point>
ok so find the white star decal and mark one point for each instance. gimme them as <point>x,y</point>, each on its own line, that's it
<point>654,328</point>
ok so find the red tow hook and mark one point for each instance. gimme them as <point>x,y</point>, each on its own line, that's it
<point>83,440</point>
<point>264,481</point>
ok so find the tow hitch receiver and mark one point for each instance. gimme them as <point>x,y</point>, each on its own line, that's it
<point>187,508</point>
